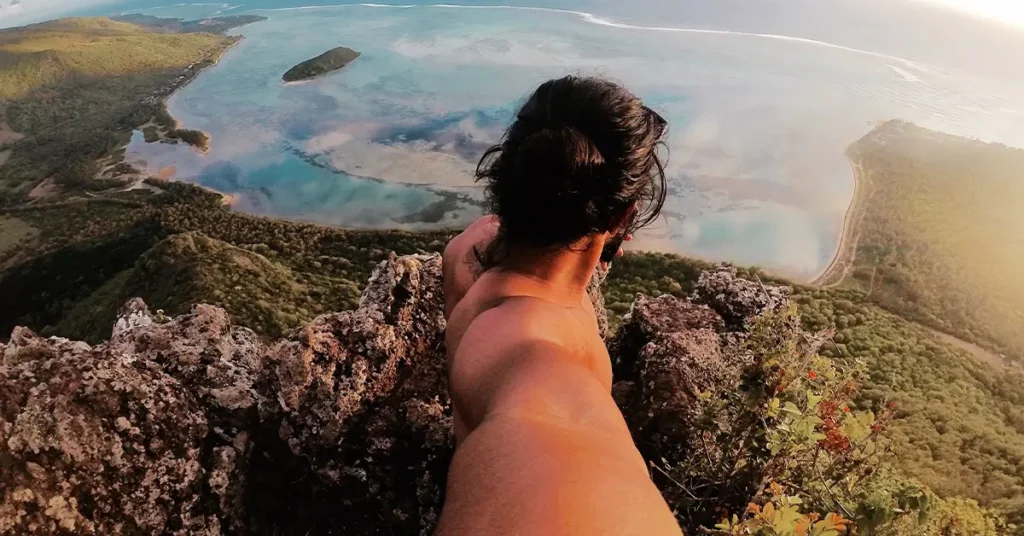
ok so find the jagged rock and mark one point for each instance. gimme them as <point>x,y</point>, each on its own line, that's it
<point>649,317</point>
<point>735,299</point>
<point>670,352</point>
<point>191,425</point>
<point>218,364</point>
<point>597,299</point>
<point>93,442</point>
<point>357,404</point>
<point>676,360</point>
<point>26,346</point>
<point>217,361</point>
<point>149,432</point>
<point>133,314</point>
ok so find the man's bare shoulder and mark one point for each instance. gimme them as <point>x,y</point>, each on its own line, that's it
<point>516,322</point>
<point>521,311</point>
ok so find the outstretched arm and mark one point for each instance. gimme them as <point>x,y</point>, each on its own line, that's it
<point>549,453</point>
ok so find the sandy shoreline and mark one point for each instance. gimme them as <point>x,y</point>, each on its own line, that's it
<point>166,99</point>
<point>848,226</point>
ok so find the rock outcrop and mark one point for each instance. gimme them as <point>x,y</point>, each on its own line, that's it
<point>357,403</point>
<point>192,425</point>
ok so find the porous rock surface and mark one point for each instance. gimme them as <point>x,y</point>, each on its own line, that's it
<point>192,425</point>
<point>675,360</point>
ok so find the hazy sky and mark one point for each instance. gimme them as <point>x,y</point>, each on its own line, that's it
<point>21,11</point>
<point>24,11</point>
<point>1008,11</point>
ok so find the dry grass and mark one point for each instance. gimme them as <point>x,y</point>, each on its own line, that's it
<point>14,231</point>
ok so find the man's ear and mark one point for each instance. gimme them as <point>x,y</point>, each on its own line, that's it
<point>620,222</point>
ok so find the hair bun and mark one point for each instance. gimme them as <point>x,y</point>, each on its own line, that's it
<point>580,153</point>
<point>550,176</point>
<point>558,161</point>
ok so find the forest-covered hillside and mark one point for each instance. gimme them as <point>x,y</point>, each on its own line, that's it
<point>72,91</point>
<point>936,233</point>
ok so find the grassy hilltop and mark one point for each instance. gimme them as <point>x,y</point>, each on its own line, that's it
<point>75,244</point>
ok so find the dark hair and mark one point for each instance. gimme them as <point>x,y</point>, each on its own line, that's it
<point>580,153</point>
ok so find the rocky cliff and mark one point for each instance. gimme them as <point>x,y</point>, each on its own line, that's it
<point>192,425</point>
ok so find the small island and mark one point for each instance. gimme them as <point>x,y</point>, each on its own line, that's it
<point>329,61</point>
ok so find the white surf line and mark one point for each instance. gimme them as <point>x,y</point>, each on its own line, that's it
<point>143,10</point>
<point>803,40</point>
<point>338,6</point>
<point>594,19</point>
<point>226,7</point>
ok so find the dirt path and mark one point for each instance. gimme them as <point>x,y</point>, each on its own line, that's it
<point>978,352</point>
<point>46,188</point>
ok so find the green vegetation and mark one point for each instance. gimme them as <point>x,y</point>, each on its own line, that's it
<point>182,247</point>
<point>76,88</point>
<point>938,232</point>
<point>75,50</point>
<point>958,424</point>
<point>13,232</point>
<point>329,61</point>
<point>189,267</point>
<point>195,138</point>
<point>784,418</point>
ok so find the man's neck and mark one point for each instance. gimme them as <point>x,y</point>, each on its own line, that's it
<point>566,271</point>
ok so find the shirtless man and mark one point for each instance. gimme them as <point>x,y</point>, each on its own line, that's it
<point>542,447</point>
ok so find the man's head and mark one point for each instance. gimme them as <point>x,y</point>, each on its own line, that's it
<point>580,160</point>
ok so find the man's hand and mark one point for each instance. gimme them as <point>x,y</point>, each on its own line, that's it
<point>459,263</point>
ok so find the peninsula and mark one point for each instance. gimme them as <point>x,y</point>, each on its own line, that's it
<point>329,61</point>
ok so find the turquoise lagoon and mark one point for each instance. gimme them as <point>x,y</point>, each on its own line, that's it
<point>759,121</point>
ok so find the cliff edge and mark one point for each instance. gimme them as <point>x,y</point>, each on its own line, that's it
<point>191,425</point>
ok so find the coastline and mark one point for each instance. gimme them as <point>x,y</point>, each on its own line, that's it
<point>162,132</point>
<point>193,74</point>
<point>839,259</point>
<point>451,196</point>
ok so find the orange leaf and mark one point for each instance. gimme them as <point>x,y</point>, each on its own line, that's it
<point>838,521</point>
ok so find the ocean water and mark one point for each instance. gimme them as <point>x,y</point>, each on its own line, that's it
<point>758,119</point>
